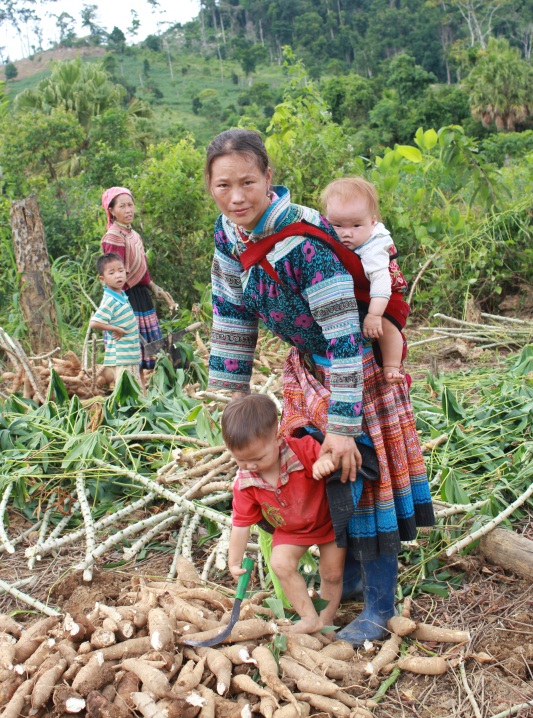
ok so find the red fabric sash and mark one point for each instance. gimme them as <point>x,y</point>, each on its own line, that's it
<point>255,253</point>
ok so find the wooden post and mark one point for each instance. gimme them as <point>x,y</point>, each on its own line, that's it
<point>33,264</point>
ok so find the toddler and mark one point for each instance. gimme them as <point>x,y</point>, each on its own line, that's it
<point>115,316</point>
<point>275,482</point>
<point>351,205</point>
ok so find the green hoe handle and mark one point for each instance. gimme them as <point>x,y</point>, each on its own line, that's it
<point>244,579</point>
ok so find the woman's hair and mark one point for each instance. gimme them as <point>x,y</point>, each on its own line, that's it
<point>349,188</point>
<point>247,419</point>
<point>246,142</point>
<point>105,259</point>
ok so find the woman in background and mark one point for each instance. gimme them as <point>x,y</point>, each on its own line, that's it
<point>123,240</point>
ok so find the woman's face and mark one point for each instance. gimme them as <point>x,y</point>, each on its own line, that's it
<point>240,188</point>
<point>123,209</point>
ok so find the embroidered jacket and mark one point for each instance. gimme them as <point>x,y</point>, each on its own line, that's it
<point>314,309</point>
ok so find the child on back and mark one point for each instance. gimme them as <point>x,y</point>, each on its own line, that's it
<point>351,205</point>
<point>275,482</point>
<point>115,317</point>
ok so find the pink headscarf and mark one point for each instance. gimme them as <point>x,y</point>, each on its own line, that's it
<point>108,196</point>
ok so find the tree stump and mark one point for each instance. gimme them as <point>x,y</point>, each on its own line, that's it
<point>33,264</point>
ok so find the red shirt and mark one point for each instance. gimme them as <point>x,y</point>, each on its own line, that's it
<point>297,507</point>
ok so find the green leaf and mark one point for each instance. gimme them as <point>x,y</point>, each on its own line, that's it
<point>450,406</point>
<point>276,606</point>
<point>319,603</point>
<point>430,139</point>
<point>57,389</point>
<point>280,642</point>
<point>410,153</point>
<point>434,588</point>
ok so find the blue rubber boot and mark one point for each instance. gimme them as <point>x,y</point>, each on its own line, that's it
<point>352,579</point>
<point>379,586</point>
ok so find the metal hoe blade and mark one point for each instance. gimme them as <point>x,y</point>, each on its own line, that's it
<point>242,585</point>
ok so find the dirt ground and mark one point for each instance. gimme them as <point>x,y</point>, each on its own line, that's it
<point>487,677</point>
<point>494,606</point>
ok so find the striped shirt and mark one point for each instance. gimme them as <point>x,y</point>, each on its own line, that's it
<point>115,309</point>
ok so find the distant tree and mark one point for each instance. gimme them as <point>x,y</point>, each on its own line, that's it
<point>65,24</point>
<point>135,24</point>
<point>349,97</point>
<point>117,39</point>
<point>10,71</point>
<point>83,89</point>
<point>500,86</point>
<point>146,67</point>
<point>407,78</point>
<point>479,17</point>
<point>88,20</point>
<point>110,64</point>
<point>249,56</point>
<point>196,105</point>
<point>153,42</point>
<point>517,23</point>
<point>261,93</point>
<point>37,143</point>
<point>115,149</point>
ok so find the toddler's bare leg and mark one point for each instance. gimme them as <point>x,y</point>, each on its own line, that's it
<point>331,567</point>
<point>284,563</point>
<point>391,345</point>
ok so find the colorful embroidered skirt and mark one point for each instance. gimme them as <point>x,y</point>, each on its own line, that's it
<point>149,329</point>
<point>391,508</point>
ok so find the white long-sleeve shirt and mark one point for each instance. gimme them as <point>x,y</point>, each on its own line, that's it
<point>375,258</point>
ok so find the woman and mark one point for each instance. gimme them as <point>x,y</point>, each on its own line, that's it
<point>303,294</point>
<point>123,240</point>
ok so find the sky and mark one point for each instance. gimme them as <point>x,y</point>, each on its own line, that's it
<point>109,14</point>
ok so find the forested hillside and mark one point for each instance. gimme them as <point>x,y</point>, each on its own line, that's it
<point>432,101</point>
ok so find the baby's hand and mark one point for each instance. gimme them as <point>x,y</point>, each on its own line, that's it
<point>323,467</point>
<point>117,333</point>
<point>372,328</point>
<point>236,570</point>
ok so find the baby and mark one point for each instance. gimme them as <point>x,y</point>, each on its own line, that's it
<point>275,482</point>
<point>351,206</point>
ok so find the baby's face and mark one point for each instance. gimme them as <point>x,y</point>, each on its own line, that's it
<point>353,221</point>
<point>261,455</point>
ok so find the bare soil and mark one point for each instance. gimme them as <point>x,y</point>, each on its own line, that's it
<point>495,606</point>
<point>490,675</point>
<point>42,60</point>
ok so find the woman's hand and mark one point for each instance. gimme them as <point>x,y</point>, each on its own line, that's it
<point>344,453</point>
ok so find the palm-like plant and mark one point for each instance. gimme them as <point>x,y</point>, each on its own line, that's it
<point>500,86</point>
<point>82,88</point>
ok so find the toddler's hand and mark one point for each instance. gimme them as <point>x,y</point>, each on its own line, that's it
<point>323,466</point>
<point>372,328</point>
<point>117,333</point>
<point>236,570</point>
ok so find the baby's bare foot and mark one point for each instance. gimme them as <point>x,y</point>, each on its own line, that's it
<point>392,375</point>
<point>306,625</point>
